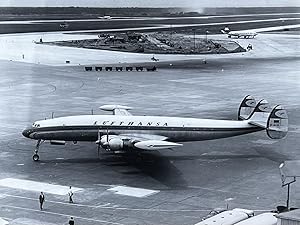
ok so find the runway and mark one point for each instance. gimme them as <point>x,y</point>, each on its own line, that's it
<point>166,187</point>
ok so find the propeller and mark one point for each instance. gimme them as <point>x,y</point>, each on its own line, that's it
<point>107,140</point>
<point>99,142</point>
<point>107,135</point>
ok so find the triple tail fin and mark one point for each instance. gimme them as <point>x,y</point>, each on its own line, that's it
<point>274,121</point>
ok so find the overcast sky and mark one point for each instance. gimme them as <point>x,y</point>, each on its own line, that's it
<point>151,3</point>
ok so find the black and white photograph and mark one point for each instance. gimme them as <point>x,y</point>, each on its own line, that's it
<point>129,112</point>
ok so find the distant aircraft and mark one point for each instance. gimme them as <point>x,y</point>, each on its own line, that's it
<point>64,25</point>
<point>123,132</point>
<point>105,17</point>
<point>154,59</point>
<point>238,34</point>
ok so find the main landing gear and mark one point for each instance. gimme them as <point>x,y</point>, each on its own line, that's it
<point>35,156</point>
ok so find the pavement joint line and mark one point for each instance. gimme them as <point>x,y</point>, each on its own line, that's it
<point>60,214</point>
<point>216,190</point>
<point>104,206</point>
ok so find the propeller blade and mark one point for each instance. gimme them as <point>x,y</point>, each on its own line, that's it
<point>99,142</point>
<point>107,135</point>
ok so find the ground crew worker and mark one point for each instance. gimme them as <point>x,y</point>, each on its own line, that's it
<point>42,200</point>
<point>71,221</point>
<point>70,193</point>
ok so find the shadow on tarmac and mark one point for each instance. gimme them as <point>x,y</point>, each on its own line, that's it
<point>153,164</point>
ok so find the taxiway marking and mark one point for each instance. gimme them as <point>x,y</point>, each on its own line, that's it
<point>29,185</point>
<point>133,192</point>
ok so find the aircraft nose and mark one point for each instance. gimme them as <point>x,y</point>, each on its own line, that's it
<point>26,133</point>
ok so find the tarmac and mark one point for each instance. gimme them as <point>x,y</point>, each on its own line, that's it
<point>165,187</point>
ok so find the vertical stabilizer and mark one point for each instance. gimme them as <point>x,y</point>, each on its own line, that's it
<point>261,112</point>
<point>246,108</point>
<point>277,124</point>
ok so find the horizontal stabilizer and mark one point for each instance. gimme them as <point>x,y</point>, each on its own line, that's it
<point>155,145</point>
<point>259,124</point>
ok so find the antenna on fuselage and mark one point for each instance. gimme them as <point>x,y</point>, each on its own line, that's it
<point>52,115</point>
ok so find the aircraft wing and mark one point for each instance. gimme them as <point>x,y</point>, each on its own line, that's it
<point>119,110</point>
<point>142,137</point>
<point>156,145</point>
<point>149,141</point>
<point>142,141</point>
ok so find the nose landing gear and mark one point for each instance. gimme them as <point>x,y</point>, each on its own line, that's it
<point>35,156</point>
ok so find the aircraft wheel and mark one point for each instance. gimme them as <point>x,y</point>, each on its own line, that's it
<point>35,157</point>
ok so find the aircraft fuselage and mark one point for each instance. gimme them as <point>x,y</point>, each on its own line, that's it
<point>87,128</point>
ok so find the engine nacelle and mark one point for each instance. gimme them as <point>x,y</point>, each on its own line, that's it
<point>113,143</point>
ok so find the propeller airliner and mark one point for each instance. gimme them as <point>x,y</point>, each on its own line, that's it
<point>239,34</point>
<point>123,132</point>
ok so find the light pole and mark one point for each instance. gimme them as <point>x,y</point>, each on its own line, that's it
<point>286,184</point>
<point>288,194</point>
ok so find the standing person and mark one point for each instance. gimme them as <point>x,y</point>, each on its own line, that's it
<point>70,193</point>
<point>71,221</point>
<point>42,200</point>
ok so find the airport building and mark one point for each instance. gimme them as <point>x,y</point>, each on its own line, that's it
<point>289,218</point>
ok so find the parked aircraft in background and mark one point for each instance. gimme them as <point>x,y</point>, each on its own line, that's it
<point>238,34</point>
<point>105,17</point>
<point>122,131</point>
<point>64,25</point>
